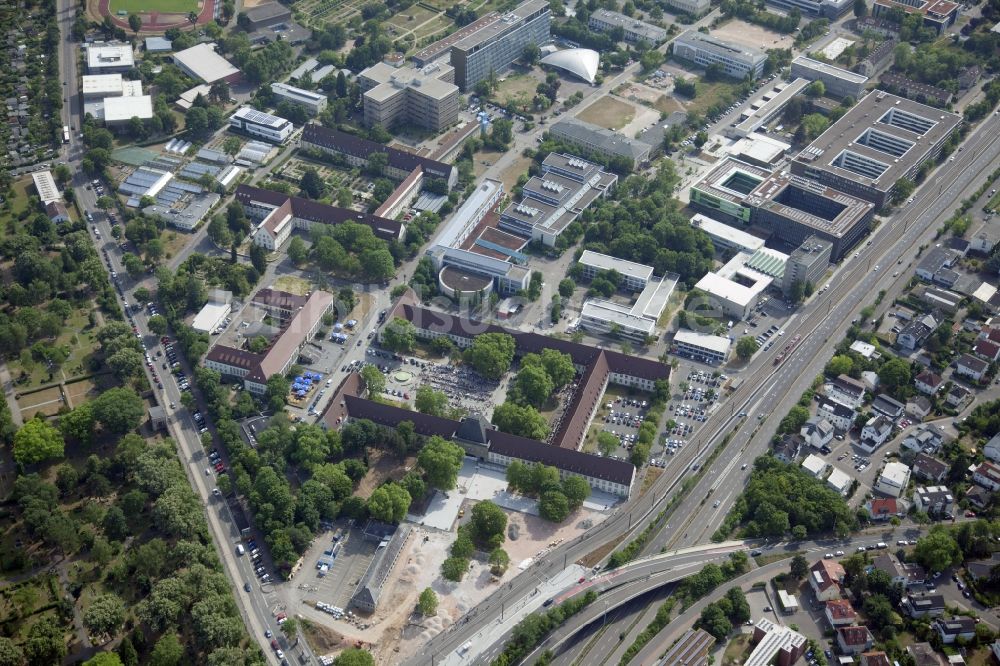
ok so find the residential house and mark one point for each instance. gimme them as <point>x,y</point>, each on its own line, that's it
<point>983,569</point>
<point>841,416</point>
<point>926,605</point>
<point>817,432</point>
<point>870,380</point>
<point>919,407</point>
<point>935,260</point>
<point>971,367</point>
<point>941,299</point>
<point>928,382</point>
<point>877,658</point>
<point>787,450</point>
<point>924,655</point>
<point>893,480</point>
<point>883,508</point>
<point>958,396</point>
<point>929,468</point>
<point>854,640</point>
<point>915,332</point>
<point>979,497</point>
<point>825,578</point>
<point>926,438</point>
<point>815,465</point>
<point>990,332</point>
<point>985,239</point>
<point>901,573</point>
<point>987,475</point>
<point>847,391</point>
<point>987,350</point>
<point>888,406</point>
<point>57,212</point>
<point>876,432</point>
<point>933,500</point>
<point>839,613</point>
<point>950,630</point>
<point>992,449</point>
<point>866,350</point>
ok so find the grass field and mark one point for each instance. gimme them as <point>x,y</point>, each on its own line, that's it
<point>608,112</point>
<point>517,86</point>
<point>711,93</point>
<point>292,285</point>
<point>149,6</point>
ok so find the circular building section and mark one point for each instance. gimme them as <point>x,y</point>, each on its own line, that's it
<point>459,284</point>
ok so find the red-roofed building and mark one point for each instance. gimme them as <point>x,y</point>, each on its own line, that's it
<point>840,613</point>
<point>987,475</point>
<point>883,508</point>
<point>854,640</point>
<point>988,350</point>
<point>938,14</point>
<point>825,578</point>
<point>875,659</point>
<point>928,382</point>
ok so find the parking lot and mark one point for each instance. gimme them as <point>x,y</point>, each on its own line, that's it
<point>346,568</point>
<point>622,416</point>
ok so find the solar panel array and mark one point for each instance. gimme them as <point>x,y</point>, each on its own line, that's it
<point>175,190</point>
<point>140,181</point>
<point>196,170</point>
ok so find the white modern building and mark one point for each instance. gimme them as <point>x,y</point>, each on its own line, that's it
<point>839,82</point>
<point>727,237</point>
<point>635,276</point>
<point>893,479</point>
<point>737,61</point>
<point>261,125</point>
<point>815,465</point>
<point>45,185</point>
<point>121,110</point>
<point>312,101</point>
<point>839,481</point>
<point>214,312</point>
<point>103,58</point>
<point>713,349</point>
<point>202,63</point>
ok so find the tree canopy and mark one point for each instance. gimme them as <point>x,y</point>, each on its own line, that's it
<point>37,441</point>
<point>491,354</point>
<point>441,460</point>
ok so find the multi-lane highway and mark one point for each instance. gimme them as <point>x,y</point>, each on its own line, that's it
<point>820,324</point>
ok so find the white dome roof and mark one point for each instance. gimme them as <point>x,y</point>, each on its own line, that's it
<point>579,62</point>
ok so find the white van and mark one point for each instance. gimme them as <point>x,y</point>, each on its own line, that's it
<point>239,549</point>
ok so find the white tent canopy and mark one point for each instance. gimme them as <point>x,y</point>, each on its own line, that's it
<point>582,63</point>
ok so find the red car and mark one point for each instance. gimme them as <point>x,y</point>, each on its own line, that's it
<point>274,644</point>
<point>970,514</point>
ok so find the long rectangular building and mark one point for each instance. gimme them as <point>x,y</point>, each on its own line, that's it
<point>601,141</point>
<point>278,214</point>
<point>312,101</point>
<point>737,61</point>
<point>356,151</point>
<point>262,125</point>
<point>255,369</point>
<point>880,140</point>
<point>838,82</point>
<point>633,30</point>
<point>496,43</point>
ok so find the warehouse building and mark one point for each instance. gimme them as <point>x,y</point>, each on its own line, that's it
<point>794,209</point>
<point>262,125</point>
<point>880,140</point>
<point>737,61</point>
<point>496,43</point>
<point>600,140</point>
<point>838,82</point>
<point>313,102</point>
<point>202,63</point>
<point>633,30</point>
<point>395,94</point>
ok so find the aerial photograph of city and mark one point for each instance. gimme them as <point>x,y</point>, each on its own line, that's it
<point>500,332</point>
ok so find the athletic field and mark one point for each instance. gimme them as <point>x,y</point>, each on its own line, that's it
<point>150,6</point>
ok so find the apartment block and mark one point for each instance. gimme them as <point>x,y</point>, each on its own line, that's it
<point>396,94</point>
<point>737,60</point>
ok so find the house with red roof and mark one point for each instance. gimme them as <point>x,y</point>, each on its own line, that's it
<point>840,613</point>
<point>854,640</point>
<point>825,578</point>
<point>883,508</point>
<point>988,350</point>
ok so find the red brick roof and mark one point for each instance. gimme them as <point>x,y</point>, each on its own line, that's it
<point>840,609</point>
<point>854,635</point>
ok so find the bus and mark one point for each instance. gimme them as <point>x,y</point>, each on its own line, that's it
<point>65,133</point>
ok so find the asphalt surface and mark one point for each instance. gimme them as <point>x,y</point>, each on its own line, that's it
<point>764,390</point>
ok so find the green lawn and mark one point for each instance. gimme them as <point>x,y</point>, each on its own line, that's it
<point>148,6</point>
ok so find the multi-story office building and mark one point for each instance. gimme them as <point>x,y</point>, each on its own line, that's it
<point>633,30</point>
<point>692,7</point>
<point>634,276</point>
<point>807,264</point>
<point>830,9</point>
<point>551,201</point>
<point>600,140</point>
<point>394,94</point>
<point>880,140</point>
<point>110,58</point>
<point>497,43</point>
<point>723,191</point>
<point>838,82</point>
<point>701,346</point>
<point>261,125</point>
<point>312,101</point>
<point>937,14</point>
<point>737,61</point>
<point>795,209</point>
